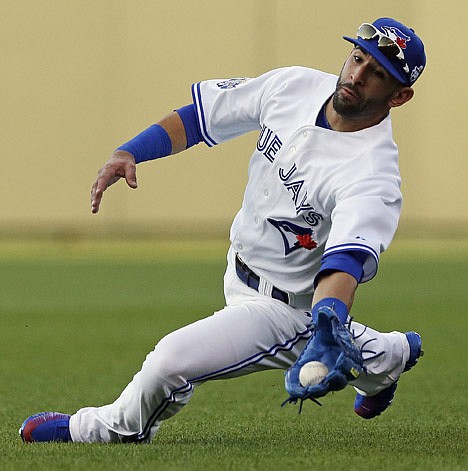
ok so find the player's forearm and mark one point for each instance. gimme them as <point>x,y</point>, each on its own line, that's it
<point>339,285</point>
<point>168,136</point>
<point>173,125</point>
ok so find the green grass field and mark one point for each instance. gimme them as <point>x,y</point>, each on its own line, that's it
<point>77,320</point>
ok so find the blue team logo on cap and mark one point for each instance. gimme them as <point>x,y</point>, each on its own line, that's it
<point>397,35</point>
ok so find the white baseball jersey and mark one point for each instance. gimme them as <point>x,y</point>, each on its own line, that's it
<point>311,191</point>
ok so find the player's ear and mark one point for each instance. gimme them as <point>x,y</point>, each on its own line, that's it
<point>401,96</point>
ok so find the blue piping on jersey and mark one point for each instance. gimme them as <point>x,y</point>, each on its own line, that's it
<point>196,94</point>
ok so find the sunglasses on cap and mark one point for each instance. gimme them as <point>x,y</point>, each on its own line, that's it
<point>386,44</point>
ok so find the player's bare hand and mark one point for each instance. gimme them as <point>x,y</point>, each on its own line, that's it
<point>120,165</point>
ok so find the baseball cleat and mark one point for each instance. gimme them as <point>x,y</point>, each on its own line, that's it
<point>369,407</point>
<point>46,427</point>
<point>331,344</point>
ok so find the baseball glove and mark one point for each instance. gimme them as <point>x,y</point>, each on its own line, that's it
<point>333,345</point>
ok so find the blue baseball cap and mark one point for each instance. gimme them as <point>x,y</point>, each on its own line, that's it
<point>397,48</point>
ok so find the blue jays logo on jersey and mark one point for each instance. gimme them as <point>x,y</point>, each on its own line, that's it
<point>231,83</point>
<point>396,35</point>
<point>294,236</point>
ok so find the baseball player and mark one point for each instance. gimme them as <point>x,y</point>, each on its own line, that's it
<point>321,204</point>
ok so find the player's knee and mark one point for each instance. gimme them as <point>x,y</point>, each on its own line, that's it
<point>169,362</point>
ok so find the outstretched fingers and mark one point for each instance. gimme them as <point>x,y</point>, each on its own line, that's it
<point>120,165</point>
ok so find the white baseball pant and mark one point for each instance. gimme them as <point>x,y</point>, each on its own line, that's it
<point>252,333</point>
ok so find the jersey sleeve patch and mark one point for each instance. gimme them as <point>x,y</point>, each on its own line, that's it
<point>231,83</point>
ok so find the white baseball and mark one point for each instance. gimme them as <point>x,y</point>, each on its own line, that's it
<point>312,373</point>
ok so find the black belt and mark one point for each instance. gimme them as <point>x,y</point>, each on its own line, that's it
<point>252,280</point>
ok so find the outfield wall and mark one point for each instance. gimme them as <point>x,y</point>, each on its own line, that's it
<point>79,77</point>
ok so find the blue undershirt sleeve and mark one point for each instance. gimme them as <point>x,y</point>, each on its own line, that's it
<point>189,117</point>
<point>350,261</point>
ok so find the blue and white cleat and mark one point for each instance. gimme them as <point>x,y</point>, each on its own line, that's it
<point>369,407</point>
<point>333,345</point>
<point>46,427</point>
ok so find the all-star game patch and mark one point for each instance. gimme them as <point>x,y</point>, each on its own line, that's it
<point>231,83</point>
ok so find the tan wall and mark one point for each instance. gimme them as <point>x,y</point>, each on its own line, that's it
<point>79,77</point>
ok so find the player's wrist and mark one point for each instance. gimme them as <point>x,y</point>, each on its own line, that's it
<point>153,143</point>
<point>123,155</point>
<point>338,306</point>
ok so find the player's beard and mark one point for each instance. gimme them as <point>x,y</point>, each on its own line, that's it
<point>360,107</point>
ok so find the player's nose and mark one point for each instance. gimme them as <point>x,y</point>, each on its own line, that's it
<point>358,75</point>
